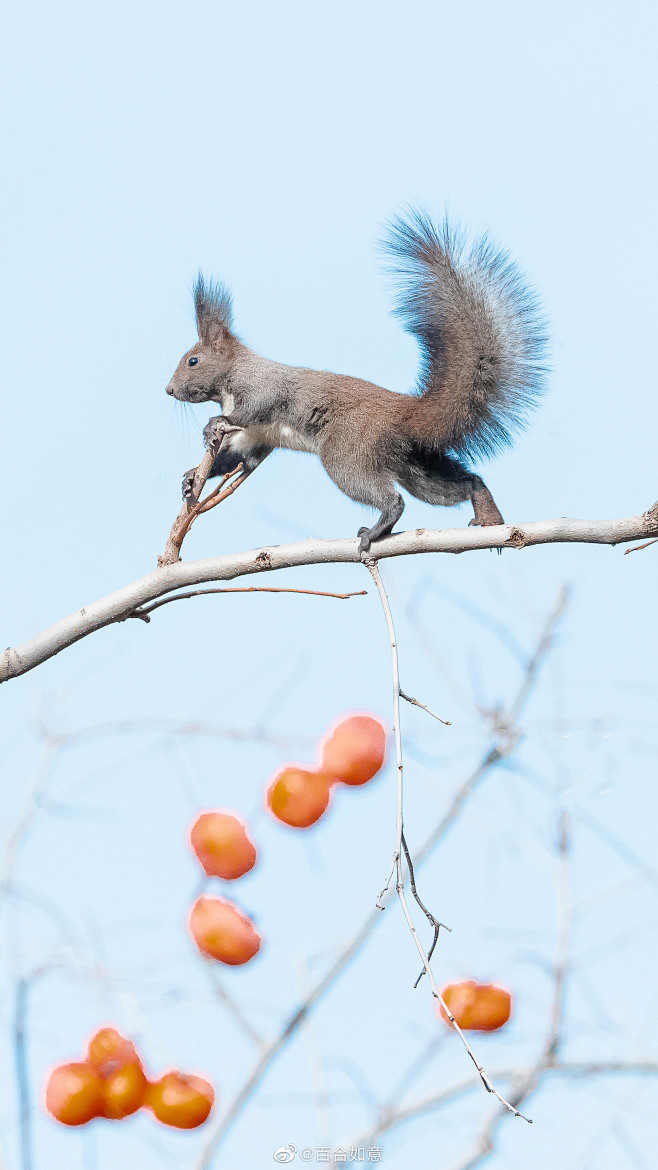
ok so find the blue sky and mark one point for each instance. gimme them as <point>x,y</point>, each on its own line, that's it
<point>269,144</point>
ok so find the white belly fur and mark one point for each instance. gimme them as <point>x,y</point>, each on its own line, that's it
<point>273,435</point>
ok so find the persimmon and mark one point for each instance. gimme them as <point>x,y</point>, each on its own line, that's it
<point>481,1007</point>
<point>74,1093</point>
<point>124,1091</point>
<point>180,1100</point>
<point>117,1063</point>
<point>299,797</point>
<point>354,750</point>
<point>222,845</point>
<point>107,1050</point>
<point>222,931</point>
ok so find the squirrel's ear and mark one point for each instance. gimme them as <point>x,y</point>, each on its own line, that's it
<point>212,302</point>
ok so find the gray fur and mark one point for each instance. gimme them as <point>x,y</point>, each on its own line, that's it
<point>213,306</point>
<point>481,340</point>
<point>481,333</point>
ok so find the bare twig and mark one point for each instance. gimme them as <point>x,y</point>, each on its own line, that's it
<point>218,496</point>
<point>373,568</point>
<point>144,611</point>
<point>118,605</point>
<point>637,547</point>
<point>493,756</point>
<point>415,703</point>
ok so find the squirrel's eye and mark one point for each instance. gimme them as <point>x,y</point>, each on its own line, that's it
<point>192,361</point>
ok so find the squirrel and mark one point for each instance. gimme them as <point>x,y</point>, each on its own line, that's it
<point>481,338</point>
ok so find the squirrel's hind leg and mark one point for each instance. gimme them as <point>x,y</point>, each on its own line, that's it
<point>441,479</point>
<point>484,505</point>
<point>389,517</point>
<point>374,487</point>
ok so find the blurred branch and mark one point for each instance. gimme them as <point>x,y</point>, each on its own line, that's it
<point>35,794</point>
<point>22,1074</point>
<point>121,604</point>
<point>390,1118</point>
<point>507,737</point>
<point>231,1005</point>
<point>161,725</point>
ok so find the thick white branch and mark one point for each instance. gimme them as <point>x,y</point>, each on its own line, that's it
<point>118,606</point>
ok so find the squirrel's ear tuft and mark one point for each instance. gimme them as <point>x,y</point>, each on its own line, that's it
<point>212,302</point>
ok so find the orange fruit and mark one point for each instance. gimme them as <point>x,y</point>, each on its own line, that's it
<point>180,1100</point>
<point>124,1091</point>
<point>481,1007</point>
<point>222,845</point>
<point>117,1063</point>
<point>299,797</point>
<point>74,1093</point>
<point>222,931</point>
<point>108,1050</point>
<point>354,751</point>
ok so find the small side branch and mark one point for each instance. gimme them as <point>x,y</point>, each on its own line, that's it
<point>144,611</point>
<point>415,703</point>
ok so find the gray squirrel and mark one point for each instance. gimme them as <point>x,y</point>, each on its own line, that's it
<point>481,338</point>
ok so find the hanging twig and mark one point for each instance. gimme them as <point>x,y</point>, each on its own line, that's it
<point>373,568</point>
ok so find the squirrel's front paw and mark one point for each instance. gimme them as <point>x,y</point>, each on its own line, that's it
<point>216,430</point>
<point>188,484</point>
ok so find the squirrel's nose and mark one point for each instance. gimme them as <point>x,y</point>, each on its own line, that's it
<point>170,388</point>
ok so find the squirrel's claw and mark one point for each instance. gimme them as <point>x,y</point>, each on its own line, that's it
<point>216,430</point>
<point>366,539</point>
<point>188,484</point>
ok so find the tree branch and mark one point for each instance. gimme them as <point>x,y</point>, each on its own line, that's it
<point>121,604</point>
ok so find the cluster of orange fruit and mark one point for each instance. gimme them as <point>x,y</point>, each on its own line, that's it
<point>352,753</point>
<point>477,1007</point>
<point>111,1082</point>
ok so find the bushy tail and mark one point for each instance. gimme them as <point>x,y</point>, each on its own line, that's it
<point>481,333</point>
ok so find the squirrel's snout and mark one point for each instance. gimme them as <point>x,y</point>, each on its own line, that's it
<point>170,388</point>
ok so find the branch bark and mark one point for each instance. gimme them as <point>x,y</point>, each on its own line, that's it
<point>121,604</point>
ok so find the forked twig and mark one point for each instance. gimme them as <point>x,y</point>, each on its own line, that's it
<point>400,846</point>
<point>194,505</point>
